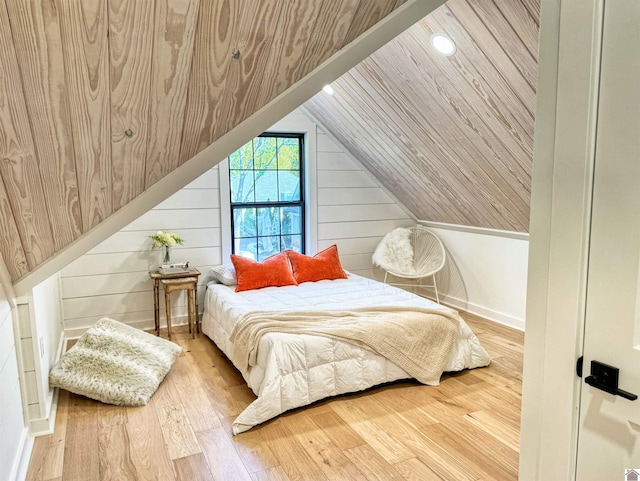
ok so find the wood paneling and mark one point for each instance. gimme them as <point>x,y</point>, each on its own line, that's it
<point>130,49</point>
<point>101,99</point>
<point>175,22</point>
<point>86,61</point>
<point>18,165</point>
<point>256,30</point>
<point>38,45</point>
<point>450,137</point>
<point>215,42</point>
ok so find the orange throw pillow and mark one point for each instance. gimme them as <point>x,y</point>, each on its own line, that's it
<point>274,271</point>
<point>324,265</point>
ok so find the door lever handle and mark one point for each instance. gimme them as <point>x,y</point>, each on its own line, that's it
<point>605,378</point>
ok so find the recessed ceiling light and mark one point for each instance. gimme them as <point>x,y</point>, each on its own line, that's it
<point>328,89</point>
<point>443,44</point>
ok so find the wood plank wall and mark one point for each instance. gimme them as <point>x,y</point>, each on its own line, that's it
<point>100,99</point>
<point>112,279</point>
<point>450,137</point>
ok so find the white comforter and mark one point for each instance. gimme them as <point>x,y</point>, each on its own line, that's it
<point>295,370</point>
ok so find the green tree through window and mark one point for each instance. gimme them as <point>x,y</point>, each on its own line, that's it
<point>267,205</point>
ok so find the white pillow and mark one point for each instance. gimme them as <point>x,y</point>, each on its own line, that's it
<point>225,274</point>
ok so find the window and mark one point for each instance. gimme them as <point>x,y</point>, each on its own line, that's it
<point>267,204</point>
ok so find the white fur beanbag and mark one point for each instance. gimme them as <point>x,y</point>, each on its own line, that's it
<point>115,363</point>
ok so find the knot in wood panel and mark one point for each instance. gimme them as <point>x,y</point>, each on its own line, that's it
<point>235,54</point>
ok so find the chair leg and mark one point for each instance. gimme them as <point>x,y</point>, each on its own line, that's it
<point>435,286</point>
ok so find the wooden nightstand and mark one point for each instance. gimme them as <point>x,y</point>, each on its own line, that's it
<point>173,282</point>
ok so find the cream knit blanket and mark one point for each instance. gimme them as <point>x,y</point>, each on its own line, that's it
<point>418,340</point>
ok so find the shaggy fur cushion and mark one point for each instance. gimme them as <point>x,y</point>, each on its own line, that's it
<point>115,363</point>
<point>324,265</point>
<point>395,252</point>
<point>274,271</point>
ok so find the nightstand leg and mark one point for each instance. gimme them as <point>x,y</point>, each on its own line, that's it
<point>191,315</point>
<point>156,306</point>
<point>167,303</point>
<point>195,301</point>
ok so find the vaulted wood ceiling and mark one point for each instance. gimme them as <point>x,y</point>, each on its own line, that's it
<point>100,99</point>
<point>450,137</point>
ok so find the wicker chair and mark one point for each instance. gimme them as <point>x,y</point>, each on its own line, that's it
<point>428,258</point>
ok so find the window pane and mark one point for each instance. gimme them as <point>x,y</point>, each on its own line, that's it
<point>242,187</point>
<point>268,221</point>
<point>291,220</point>
<point>267,171</point>
<point>244,222</point>
<point>292,242</point>
<point>266,185</point>
<point>242,158</point>
<point>288,154</point>
<point>246,247</point>
<point>268,246</point>
<point>265,153</point>
<point>289,185</point>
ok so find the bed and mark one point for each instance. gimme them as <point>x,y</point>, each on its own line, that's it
<point>294,370</point>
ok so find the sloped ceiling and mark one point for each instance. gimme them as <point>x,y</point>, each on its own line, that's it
<point>450,137</point>
<point>101,99</point>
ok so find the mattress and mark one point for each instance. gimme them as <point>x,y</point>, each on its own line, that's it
<point>295,370</point>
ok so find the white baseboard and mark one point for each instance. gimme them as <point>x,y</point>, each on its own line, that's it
<point>21,463</point>
<point>44,426</point>
<point>485,312</point>
<point>143,325</point>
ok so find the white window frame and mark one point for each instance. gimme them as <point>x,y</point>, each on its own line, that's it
<point>296,123</point>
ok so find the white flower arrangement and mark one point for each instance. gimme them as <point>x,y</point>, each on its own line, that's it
<point>167,238</point>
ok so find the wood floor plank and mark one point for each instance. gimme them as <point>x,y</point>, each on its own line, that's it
<point>476,448</point>
<point>415,470</point>
<point>114,454</point>
<point>384,444</point>
<point>293,459</point>
<point>256,455</point>
<point>193,468</point>
<point>371,464</point>
<point>109,415</point>
<point>337,431</point>
<point>48,451</point>
<point>148,449</point>
<point>334,463</point>
<point>81,441</point>
<point>272,474</point>
<point>466,428</point>
<point>178,434</point>
<point>202,416</point>
<point>224,461</point>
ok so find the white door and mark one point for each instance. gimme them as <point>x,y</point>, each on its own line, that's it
<point>609,430</point>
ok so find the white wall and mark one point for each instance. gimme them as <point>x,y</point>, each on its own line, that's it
<point>113,278</point>
<point>485,274</point>
<point>13,433</point>
<point>40,326</point>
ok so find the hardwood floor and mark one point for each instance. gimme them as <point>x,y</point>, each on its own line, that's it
<point>465,429</point>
